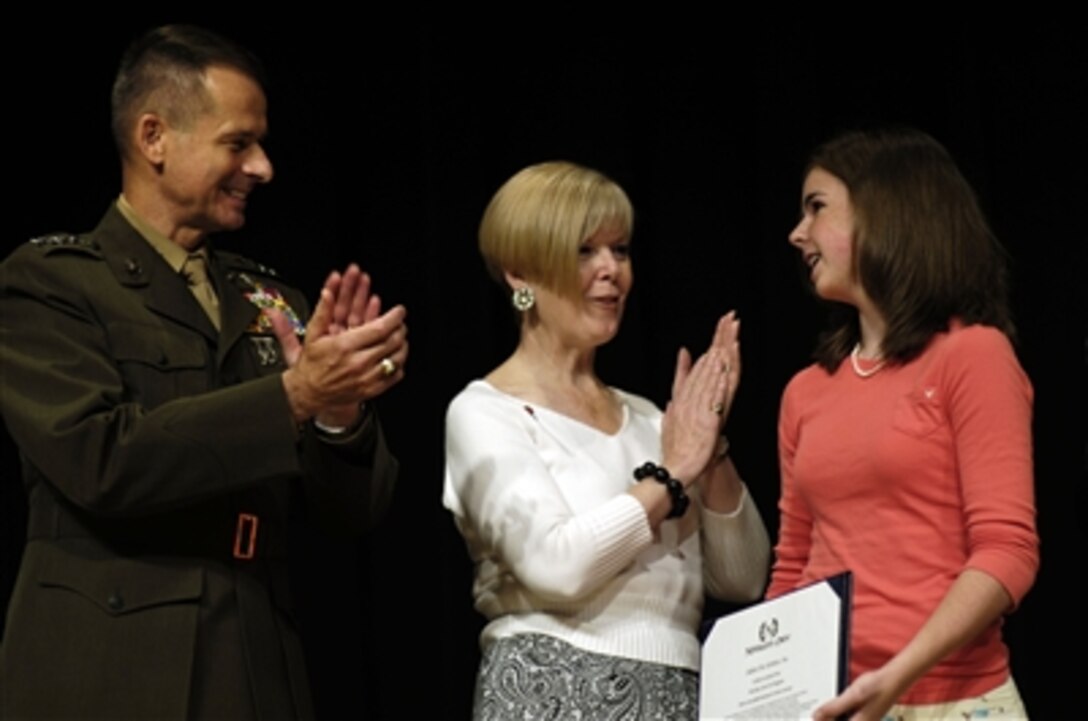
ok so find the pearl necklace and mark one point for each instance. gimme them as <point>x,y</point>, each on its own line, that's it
<point>861,372</point>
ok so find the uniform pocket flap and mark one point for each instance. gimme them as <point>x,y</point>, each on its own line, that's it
<point>149,344</point>
<point>120,586</point>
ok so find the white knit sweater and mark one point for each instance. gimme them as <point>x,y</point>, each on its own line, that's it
<point>561,548</point>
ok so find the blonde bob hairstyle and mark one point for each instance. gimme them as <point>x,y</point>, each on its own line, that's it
<point>537,220</point>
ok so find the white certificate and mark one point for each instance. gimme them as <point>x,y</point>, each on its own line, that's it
<point>779,659</point>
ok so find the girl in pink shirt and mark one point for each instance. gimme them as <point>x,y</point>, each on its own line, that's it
<point>906,449</point>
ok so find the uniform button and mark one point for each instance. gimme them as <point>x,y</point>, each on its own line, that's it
<point>115,602</point>
<point>132,266</point>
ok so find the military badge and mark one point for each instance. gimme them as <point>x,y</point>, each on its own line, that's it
<point>267,349</point>
<point>267,298</point>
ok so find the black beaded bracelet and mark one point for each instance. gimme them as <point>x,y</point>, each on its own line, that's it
<point>680,500</point>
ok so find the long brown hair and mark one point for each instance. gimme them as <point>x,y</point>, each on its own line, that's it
<point>923,250</point>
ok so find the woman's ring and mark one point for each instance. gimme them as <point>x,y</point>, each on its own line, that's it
<point>718,408</point>
<point>388,366</point>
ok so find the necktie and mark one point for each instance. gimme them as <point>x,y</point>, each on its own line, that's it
<point>195,271</point>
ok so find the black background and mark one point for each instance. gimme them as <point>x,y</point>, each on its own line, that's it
<point>389,137</point>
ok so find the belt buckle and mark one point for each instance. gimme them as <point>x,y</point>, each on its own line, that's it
<point>245,537</point>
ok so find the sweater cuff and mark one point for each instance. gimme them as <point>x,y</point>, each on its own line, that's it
<point>735,513</point>
<point>736,552</point>
<point>621,529</point>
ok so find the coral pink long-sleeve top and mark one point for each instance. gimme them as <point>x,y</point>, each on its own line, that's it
<point>908,477</point>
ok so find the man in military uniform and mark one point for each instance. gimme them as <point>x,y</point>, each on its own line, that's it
<point>169,404</point>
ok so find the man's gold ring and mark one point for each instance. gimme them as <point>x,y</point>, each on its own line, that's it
<point>388,366</point>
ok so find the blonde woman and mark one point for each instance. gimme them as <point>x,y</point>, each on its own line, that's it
<point>593,519</point>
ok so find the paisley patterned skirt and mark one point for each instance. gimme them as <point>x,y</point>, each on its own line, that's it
<point>532,676</point>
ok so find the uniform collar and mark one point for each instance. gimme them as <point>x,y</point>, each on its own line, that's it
<point>174,255</point>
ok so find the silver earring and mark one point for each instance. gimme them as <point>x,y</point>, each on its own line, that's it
<point>523,298</point>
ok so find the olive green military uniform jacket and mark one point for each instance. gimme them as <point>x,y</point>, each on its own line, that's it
<point>160,459</point>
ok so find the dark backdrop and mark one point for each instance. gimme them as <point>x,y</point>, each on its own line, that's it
<point>389,138</point>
